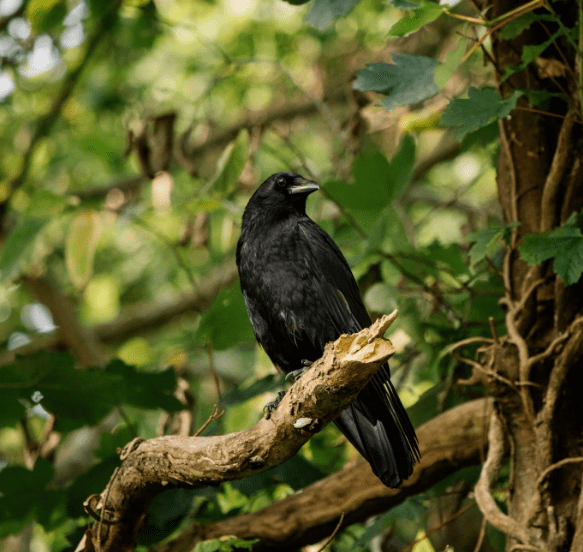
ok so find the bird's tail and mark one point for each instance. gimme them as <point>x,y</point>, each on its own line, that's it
<point>379,428</point>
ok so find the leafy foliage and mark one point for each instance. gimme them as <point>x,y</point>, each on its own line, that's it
<point>51,380</point>
<point>253,93</point>
<point>563,244</point>
<point>489,241</point>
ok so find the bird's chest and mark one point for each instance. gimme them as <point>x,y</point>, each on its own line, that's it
<point>277,269</point>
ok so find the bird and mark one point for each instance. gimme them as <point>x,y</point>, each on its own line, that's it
<point>300,294</point>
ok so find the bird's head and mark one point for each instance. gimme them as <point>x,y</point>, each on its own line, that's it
<point>286,188</point>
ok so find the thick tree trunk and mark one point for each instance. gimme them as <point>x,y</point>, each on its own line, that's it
<point>540,183</point>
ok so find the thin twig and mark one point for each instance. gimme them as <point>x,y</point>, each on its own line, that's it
<point>331,537</point>
<point>481,535</point>
<point>557,465</point>
<point>215,415</point>
<point>488,372</point>
<point>213,370</point>
<point>468,341</point>
<point>493,330</point>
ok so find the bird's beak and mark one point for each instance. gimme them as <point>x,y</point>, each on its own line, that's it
<point>302,185</point>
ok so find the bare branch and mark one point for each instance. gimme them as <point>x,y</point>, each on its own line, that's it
<point>142,317</point>
<point>490,470</point>
<point>80,341</point>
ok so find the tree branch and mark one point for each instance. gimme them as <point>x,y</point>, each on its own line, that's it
<point>489,474</point>
<point>151,466</point>
<point>448,442</point>
<point>144,316</point>
<point>79,339</point>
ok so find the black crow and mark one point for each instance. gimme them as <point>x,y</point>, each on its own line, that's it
<point>300,294</point>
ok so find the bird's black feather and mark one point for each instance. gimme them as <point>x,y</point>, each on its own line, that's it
<point>300,294</point>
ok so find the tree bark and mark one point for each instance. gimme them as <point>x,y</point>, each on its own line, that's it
<point>453,440</point>
<point>540,184</point>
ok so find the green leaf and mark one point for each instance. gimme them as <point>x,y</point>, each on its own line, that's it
<point>421,16</point>
<point>488,241</point>
<point>80,247</point>
<point>89,482</point>
<point>297,472</point>
<point>439,257</point>
<point>19,245</point>
<point>482,107</point>
<point>371,173</point>
<point>517,26</point>
<point>241,393</point>
<point>444,71</point>
<point>79,397</point>
<point>226,322</point>
<point>538,97</point>
<point>150,390</point>
<point>232,162</point>
<point>405,4</point>
<point>11,380</point>
<point>411,509</point>
<point>24,497</point>
<point>377,183</point>
<point>408,80</point>
<point>225,544</point>
<point>564,244</point>
<point>401,167</point>
<point>529,54</point>
<point>44,15</point>
<point>323,12</point>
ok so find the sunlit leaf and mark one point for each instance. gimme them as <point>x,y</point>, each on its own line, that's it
<point>232,162</point>
<point>444,71</point>
<point>80,246</point>
<point>226,322</point>
<point>19,245</point>
<point>420,16</point>
<point>43,15</point>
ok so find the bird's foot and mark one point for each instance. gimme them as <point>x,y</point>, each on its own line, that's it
<point>295,374</point>
<point>272,405</point>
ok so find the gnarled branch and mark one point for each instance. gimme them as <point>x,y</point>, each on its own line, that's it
<point>449,442</point>
<point>320,395</point>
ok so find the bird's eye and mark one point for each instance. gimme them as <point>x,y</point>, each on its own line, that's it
<point>280,181</point>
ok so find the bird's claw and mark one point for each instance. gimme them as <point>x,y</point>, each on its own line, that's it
<point>272,405</point>
<point>295,374</point>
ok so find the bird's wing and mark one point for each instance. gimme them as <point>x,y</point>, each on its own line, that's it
<point>337,288</point>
